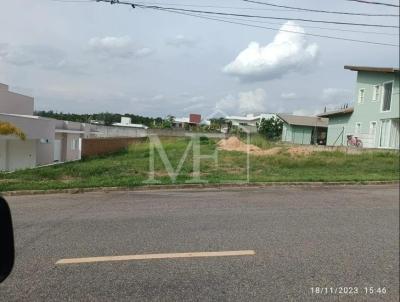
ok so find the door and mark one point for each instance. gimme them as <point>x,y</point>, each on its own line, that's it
<point>385,134</point>
<point>57,150</point>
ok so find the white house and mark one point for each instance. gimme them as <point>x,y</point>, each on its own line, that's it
<point>47,140</point>
<point>127,122</point>
<point>249,121</point>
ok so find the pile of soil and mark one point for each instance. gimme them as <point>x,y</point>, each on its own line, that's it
<point>300,151</point>
<point>235,144</point>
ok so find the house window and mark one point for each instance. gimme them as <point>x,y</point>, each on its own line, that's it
<point>75,144</point>
<point>387,96</point>
<point>372,128</point>
<point>358,128</point>
<point>375,94</point>
<point>361,96</point>
<point>385,134</point>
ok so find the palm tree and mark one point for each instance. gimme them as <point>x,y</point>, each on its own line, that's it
<point>7,128</point>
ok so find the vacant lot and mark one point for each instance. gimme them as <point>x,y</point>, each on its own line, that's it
<point>131,168</point>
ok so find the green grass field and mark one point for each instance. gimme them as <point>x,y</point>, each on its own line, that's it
<point>131,168</point>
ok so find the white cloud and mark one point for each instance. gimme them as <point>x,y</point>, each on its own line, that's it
<point>143,52</point>
<point>306,112</point>
<point>288,52</point>
<point>246,102</point>
<point>337,95</point>
<point>158,97</point>
<point>40,55</point>
<point>181,41</point>
<point>288,95</point>
<point>120,47</point>
<point>197,99</point>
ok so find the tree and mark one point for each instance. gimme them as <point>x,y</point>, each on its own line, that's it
<point>7,128</point>
<point>270,128</point>
<point>168,122</point>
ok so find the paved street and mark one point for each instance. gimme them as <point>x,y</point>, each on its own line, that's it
<point>302,237</point>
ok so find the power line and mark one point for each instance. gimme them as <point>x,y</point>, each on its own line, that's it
<point>317,27</point>
<point>283,30</point>
<point>214,6</point>
<point>321,11</point>
<point>252,21</point>
<point>252,16</point>
<point>373,2</point>
<point>74,1</point>
<point>243,24</point>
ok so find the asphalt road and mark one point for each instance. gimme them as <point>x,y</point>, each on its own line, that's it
<point>303,237</point>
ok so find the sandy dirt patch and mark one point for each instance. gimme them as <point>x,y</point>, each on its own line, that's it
<point>235,144</point>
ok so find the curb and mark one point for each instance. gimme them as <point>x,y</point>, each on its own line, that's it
<point>194,186</point>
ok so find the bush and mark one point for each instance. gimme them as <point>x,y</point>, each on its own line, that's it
<point>271,128</point>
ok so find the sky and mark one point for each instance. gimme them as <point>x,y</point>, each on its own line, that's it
<point>87,57</point>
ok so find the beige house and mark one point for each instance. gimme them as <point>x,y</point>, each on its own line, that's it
<point>47,140</point>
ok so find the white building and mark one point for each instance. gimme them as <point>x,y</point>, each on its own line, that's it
<point>127,122</point>
<point>249,121</point>
<point>47,140</point>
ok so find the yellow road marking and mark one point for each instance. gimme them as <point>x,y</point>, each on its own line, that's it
<point>156,256</point>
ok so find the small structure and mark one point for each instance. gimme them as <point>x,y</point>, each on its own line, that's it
<point>127,122</point>
<point>304,130</point>
<point>193,120</point>
<point>374,119</point>
<point>338,120</point>
<point>250,121</point>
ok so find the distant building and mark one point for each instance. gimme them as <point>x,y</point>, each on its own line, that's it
<point>250,121</point>
<point>193,120</point>
<point>304,130</point>
<point>375,115</point>
<point>126,122</point>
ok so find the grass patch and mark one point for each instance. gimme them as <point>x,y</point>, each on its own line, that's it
<point>260,141</point>
<point>130,168</point>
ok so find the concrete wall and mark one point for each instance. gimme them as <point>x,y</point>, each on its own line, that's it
<point>15,103</point>
<point>17,154</point>
<point>72,150</point>
<point>182,133</point>
<point>112,131</point>
<point>33,127</point>
<point>337,125</point>
<point>102,146</point>
<point>44,152</point>
<point>3,155</point>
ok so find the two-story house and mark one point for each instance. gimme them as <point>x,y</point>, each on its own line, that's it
<point>374,118</point>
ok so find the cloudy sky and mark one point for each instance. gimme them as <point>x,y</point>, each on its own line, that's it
<point>91,57</point>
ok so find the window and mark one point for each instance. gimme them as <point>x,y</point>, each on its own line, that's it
<point>372,128</point>
<point>75,144</point>
<point>361,96</point>
<point>385,134</point>
<point>387,96</point>
<point>375,93</point>
<point>358,128</point>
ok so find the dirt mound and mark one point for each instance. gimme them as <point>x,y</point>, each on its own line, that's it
<point>235,144</point>
<point>300,151</point>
